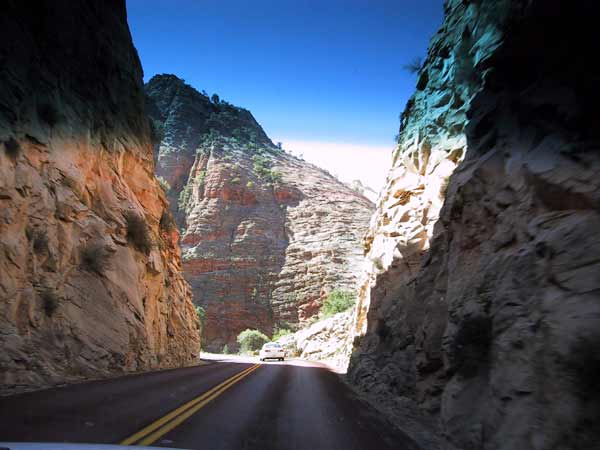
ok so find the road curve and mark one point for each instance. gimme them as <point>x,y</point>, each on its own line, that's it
<point>216,406</point>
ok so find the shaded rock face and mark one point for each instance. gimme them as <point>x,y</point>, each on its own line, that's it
<point>90,270</point>
<point>481,304</point>
<point>267,235</point>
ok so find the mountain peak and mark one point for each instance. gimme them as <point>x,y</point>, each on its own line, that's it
<point>184,116</point>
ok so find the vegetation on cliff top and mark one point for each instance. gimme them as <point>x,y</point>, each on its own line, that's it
<point>337,301</point>
<point>184,120</point>
<point>262,165</point>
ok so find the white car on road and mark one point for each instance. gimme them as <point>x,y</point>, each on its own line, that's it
<point>272,350</point>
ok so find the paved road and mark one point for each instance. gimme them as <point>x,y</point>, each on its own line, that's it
<point>217,406</point>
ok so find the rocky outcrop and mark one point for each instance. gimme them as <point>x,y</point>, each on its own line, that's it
<point>90,271</point>
<point>481,304</point>
<point>266,235</point>
<point>325,340</point>
<point>364,190</point>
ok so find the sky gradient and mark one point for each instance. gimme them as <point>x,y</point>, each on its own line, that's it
<point>323,71</point>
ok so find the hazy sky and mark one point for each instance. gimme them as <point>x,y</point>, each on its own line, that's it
<point>325,77</point>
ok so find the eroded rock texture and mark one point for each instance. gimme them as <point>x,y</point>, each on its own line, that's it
<point>325,340</point>
<point>482,302</point>
<point>90,270</point>
<point>267,235</point>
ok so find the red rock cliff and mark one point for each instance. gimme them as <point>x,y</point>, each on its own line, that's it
<point>90,271</point>
<point>267,235</point>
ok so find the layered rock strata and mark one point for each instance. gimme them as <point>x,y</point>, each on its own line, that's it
<point>90,270</point>
<point>266,235</point>
<point>481,304</point>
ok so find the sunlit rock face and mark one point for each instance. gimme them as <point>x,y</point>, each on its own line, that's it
<point>482,301</point>
<point>182,118</point>
<point>325,340</point>
<point>266,235</point>
<point>90,270</point>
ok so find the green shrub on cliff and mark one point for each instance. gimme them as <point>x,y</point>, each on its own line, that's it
<point>50,301</point>
<point>261,165</point>
<point>336,302</point>
<point>208,139</point>
<point>201,313</point>
<point>251,340</point>
<point>184,197</point>
<point>414,66</point>
<point>38,238</point>
<point>95,258</point>
<point>186,193</point>
<point>280,332</point>
<point>138,233</point>
<point>275,176</point>
<point>164,184</point>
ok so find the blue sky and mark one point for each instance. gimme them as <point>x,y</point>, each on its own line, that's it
<point>313,73</point>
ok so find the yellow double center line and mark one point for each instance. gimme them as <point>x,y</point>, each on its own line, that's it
<point>162,426</point>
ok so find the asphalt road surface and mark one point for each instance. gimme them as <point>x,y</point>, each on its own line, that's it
<point>222,405</point>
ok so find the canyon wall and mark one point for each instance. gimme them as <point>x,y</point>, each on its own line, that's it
<point>266,235</point>
<point>90,268</point>
<point>481,303</point>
